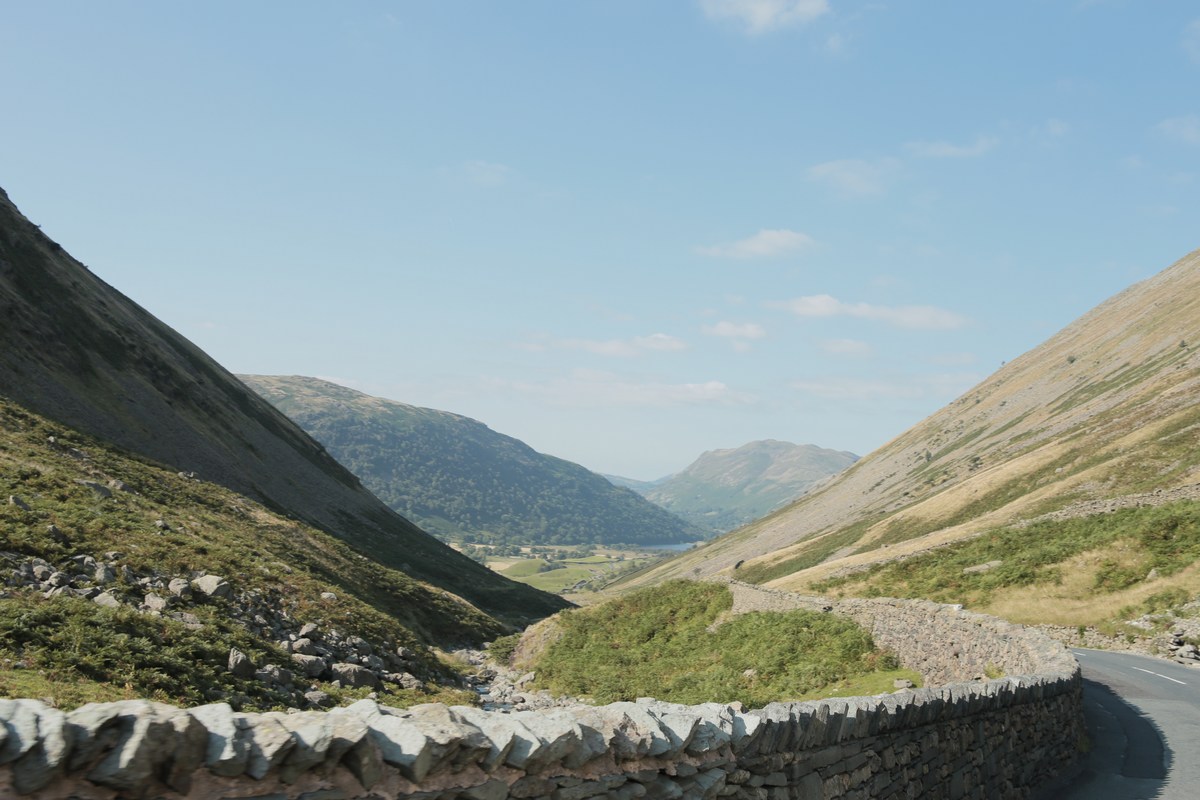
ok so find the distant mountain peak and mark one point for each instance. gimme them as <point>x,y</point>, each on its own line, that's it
<point>1105,408</point>
<point>464,481</point>
<point>726,488</point>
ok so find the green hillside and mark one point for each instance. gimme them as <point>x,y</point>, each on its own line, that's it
<point>462,481</point>
<point>725,489</point>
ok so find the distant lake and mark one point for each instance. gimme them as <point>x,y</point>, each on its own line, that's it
<point>673,547</point>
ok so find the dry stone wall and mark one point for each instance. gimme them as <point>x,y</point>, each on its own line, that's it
<point>965,739</point>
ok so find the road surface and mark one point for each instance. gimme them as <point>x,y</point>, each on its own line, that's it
<point>1143,718</point>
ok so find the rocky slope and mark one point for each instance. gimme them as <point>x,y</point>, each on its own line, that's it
<point>725,489</point>
<point>1104,409</point>
<point>122,577</point>
<point>461,480</point>
<point>76,350</point>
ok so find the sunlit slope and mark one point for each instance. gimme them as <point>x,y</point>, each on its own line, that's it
<point>76,350</point>
<point>1105,408</point>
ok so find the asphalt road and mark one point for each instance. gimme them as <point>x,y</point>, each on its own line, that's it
<point>1143,718</point>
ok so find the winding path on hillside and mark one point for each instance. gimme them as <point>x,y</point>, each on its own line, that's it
<point>1143,717</point>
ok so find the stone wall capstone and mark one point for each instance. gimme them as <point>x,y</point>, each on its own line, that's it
<point>970,737</point>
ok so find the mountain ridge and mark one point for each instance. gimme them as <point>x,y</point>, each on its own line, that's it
<point>78,351</point>
<point>460,479</point>
<point>729,487</point>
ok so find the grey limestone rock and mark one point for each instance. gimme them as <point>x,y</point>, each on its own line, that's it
<point>228,751</point>
<point>213,586</point>
<point>240,664</point>
<point>106,599</point>
<point>155,602</point>
<point>180,587</point>
<point>309,666</point>
<point>270,743</point>
<point>353,675</point>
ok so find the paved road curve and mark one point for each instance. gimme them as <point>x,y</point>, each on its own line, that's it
<point>1143,717</point>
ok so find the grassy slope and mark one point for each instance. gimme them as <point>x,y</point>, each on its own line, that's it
<point>74,349</point>
<point>662,642</point>
<point>74,650</point>
<point>1103,409</point>
<point>1093,570</point>
<point>463,481</point>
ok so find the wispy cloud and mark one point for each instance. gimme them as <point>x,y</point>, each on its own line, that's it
<point>914,317</point>
<point>740,334</point>
<point>1191,40</point>
<point>854,177</point>
<point>625,348</point>
<point>949,150</point>
<point>485,173</point>
<point>735,330</point>
<point>767,243</point>
<point>847,347</point>
<point>761,16</point>
<point>595,389</point>
<point>910,387</point>
<point>1184,129</point>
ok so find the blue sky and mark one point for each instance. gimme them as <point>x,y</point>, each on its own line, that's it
<point>623,231</point>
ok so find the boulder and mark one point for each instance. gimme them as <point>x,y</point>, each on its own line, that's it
<point>180,587</point>
<point>106,599</point>
<point>309,666</point>
<point>354,675</point>
<point>240,664</point>
<point>212,586</point>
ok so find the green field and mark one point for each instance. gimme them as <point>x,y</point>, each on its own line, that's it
<point>563,575</point>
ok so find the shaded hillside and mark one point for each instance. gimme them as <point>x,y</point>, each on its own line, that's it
<point>1104,409</point>
<point>725,489</point>
<point>76,350</point>
<point>102,552</point>
<point>461,480</point>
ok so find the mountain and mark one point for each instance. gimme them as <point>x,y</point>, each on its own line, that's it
<point>1101,415</point>
<point>725,489</point>
<point>77,351</point>
<point>461,480</point>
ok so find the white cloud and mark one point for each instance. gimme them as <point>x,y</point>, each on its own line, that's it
<point>485,173</point>
<point>1191,40</point>
<point>909,387</point>
<point>764,244</point>
<point>1185,129</point>
<point>761,16</point>
<point>854,177</point>
<point>948,150</point>
<point>625,348</point>
<point>595,389</point>
<point>846,347</point>
<point>914,317</point>
<point>734,330</point>
<point>739,334</point>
